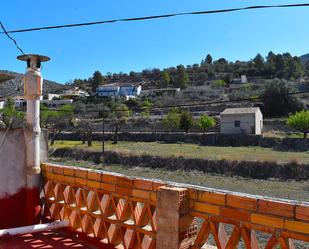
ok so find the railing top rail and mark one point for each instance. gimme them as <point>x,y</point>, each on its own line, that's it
<point>68,170</point>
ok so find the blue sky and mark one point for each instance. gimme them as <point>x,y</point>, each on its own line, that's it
<point>125,47</point>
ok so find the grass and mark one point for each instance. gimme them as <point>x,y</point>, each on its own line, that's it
<point>193,151</point>
<point>297,190</point>
<point>278,134</point>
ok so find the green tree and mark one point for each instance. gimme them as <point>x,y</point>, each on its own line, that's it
<point>84,128</point>
<point>118,116</point>
<point>10,117</point>
<point>182,77</point>
<point>270,64</point>
<point>219,83</point>
<point>278,100</point>
<point>208,59</point>
<point>80,83</point>
<point>171,120</point>
<point>96,80</point>
<point>48,117</point>
<point>166,79</point>
<point>145,106</point>
<point>221,65</point>
<point>228,78</point>
<point>300,122</point>
<point>259,63</point>
<point>186,121</point>
<point>205,122</point>
<point>294,68</point>
<point>56,120</point>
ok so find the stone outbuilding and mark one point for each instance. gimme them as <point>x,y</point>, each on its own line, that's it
<point>241,121</point>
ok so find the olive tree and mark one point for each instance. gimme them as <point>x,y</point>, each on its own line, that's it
<point>186,121</point>
<point>10,117</point>
<point>171,120</point>
<point>56,120</point>
<point>118,116</point>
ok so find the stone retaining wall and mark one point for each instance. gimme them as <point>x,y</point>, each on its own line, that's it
<point>251,169</point>
<point>209,139</point>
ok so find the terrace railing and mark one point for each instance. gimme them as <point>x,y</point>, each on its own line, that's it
<point>137,213</point>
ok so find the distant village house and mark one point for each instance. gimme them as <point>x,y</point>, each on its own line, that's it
<point>74,93</point>
<point>242,80</point>
<point>241,121</point>
<point>128,91</point>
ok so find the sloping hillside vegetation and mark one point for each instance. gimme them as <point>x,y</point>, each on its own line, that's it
<point>304,58</point>
<point>15,82</point>
<point>220,72</point>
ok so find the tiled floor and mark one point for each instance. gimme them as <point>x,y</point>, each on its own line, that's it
<point>44,240</point>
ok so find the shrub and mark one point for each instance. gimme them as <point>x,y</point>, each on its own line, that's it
<point>206,122</point>
<point>300,121</point>
<point>278,100</point>
<point>219,83</point>
<point>172,120</point>
<point>186,121</point>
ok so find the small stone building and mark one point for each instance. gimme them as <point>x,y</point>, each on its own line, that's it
<point>241,121</point>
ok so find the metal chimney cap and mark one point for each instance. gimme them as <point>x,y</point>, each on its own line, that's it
<point>25,57</point>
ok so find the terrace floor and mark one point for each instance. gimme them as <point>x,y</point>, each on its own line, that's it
<point>48,239</point>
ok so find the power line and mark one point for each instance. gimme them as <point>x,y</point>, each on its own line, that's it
<point>160,16</point>
<point>11,38</point>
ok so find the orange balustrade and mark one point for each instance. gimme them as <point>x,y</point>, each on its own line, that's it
<point>137,213</point>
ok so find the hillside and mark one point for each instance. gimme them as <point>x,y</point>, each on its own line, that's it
<point>208,71</point>
<point>304,58</point>
<point>14,85</point>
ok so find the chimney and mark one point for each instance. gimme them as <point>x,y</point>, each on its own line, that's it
<point>33,83</point>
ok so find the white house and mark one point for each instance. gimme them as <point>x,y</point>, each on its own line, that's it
<point>74,93</point>
<point>2,103</point>
<point>20,101</point>
<point>55,103</point>
<point>242,80</point>
<point>51,96</point>
<point>108,90</point>
<point>241,121</point>
<point>128,91</point>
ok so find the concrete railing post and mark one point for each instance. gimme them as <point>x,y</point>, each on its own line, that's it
<point>173,220</point>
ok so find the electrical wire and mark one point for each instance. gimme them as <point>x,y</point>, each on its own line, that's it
<point>160,16</point>
<point>11,38</point>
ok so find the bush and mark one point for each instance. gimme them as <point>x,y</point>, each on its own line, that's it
<point>186,121</point>
<point>278,100</point>
<point>300,121</point>
<point>206,122</point>
<point>219,83</point>
<point>171,121</point>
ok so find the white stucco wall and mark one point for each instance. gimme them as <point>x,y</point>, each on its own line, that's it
<point>247,121</point>
<point>12,160</point>
<point>259,123</point>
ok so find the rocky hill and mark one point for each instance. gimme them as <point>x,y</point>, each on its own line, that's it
<point>304,58</point>
<point>14,86</point>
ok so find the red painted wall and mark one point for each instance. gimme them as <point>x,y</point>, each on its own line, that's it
<point>20,209</point>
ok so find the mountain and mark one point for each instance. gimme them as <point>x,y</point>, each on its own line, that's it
<point>12,84</point>
<point>304,58</point>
